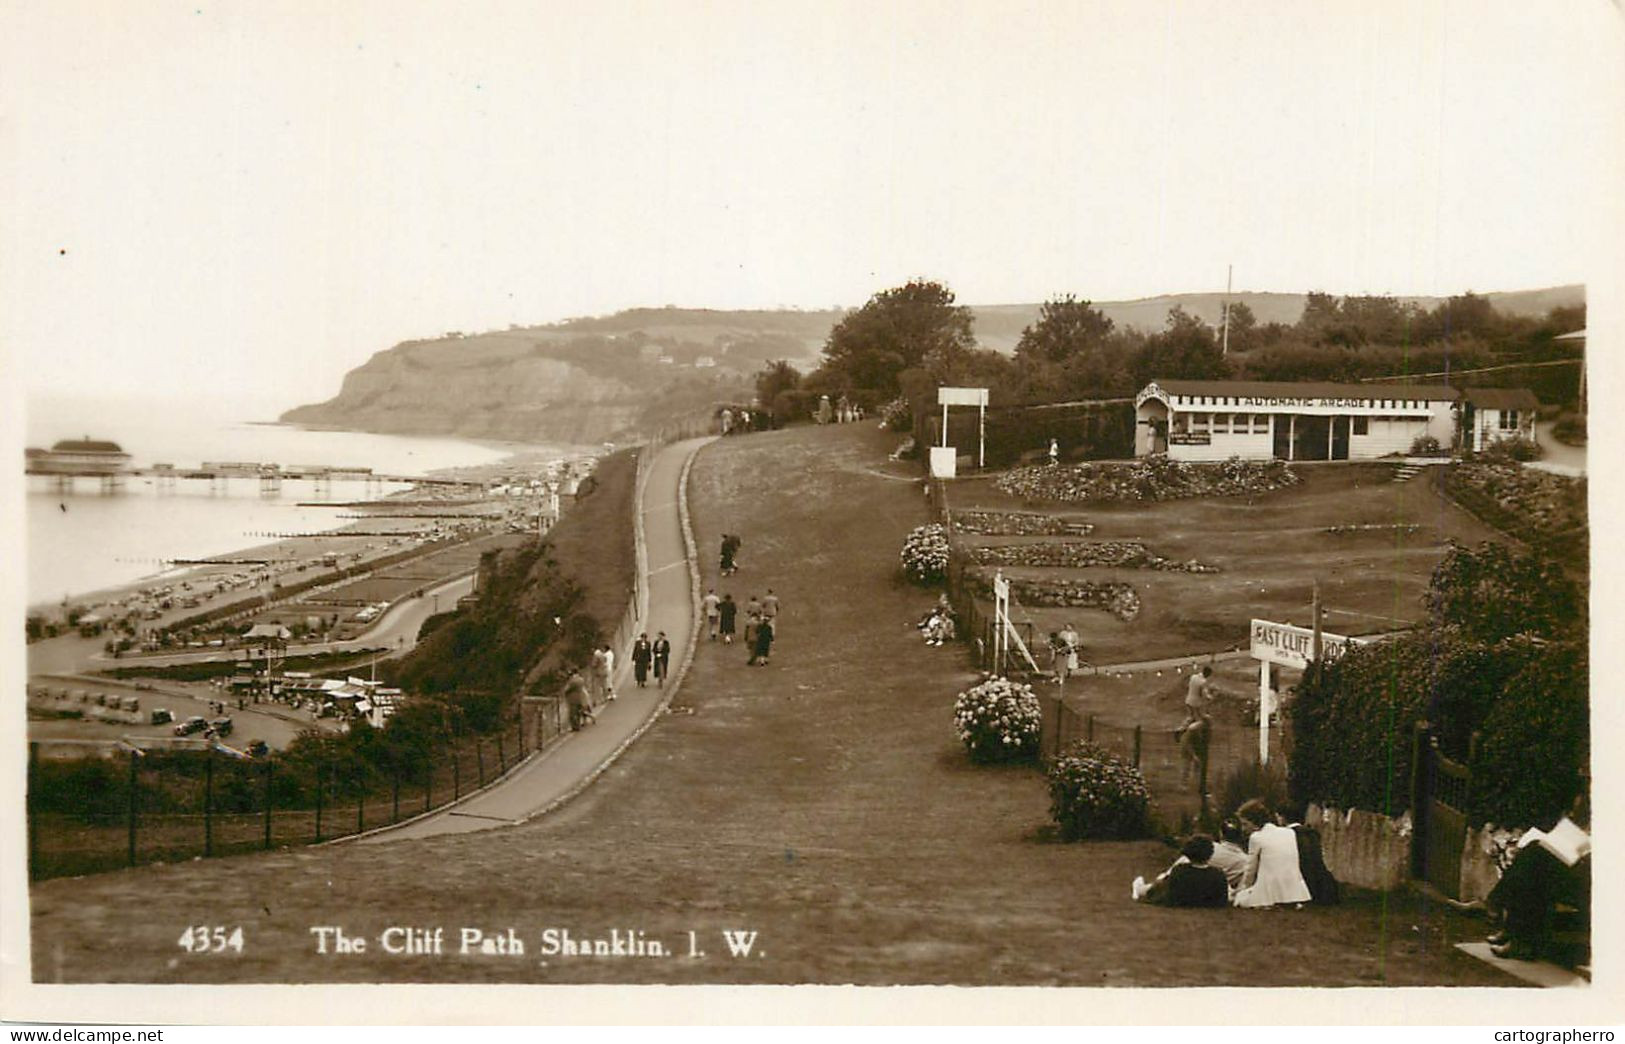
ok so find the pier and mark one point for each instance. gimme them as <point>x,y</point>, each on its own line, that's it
<point>269,476</point>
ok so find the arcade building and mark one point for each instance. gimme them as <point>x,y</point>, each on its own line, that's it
<point>1290,420</point>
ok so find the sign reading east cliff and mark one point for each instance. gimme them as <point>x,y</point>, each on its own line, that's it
<point>1290,646</point>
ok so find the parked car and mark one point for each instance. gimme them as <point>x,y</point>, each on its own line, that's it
<point>196,723</point>
<point>221,726</point>
<point>162,716</point>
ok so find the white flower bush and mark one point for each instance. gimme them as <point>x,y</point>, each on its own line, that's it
<point>1095,794</point>
<point>998,720</point>
<point>925,554</point>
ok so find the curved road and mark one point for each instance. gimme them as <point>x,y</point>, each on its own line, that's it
<point>552,777</point>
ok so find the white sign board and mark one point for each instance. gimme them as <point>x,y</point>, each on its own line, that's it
<point>1289,646</point>
<point>944,462</point>
<point>961,396</point>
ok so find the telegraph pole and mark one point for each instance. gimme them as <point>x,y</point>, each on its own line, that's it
<point>1229,270</point>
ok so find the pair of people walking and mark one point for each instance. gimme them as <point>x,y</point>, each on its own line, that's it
<point>647,656</point>
<point>721,616</point>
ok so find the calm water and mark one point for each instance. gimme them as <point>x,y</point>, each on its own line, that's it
<point>86,540</point>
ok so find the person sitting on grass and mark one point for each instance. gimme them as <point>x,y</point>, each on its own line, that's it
<point>1272,876</point>
<point>1230,853</point>
<point>1190,881</point>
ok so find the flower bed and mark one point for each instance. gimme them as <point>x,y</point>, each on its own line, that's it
<point>998,720</point>
<point>1019,523</point>
<point>1403,528</point>
<point>1125,554</point>
<point>1094,794</point>
<point>1543,508</point>
<point>925,553</point>
<point>1110,596</point>
<point>1151,478</point>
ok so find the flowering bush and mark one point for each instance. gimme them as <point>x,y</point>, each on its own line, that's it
<point>1095,794</point>
<point>998,720</point>
<point>925,553</point>
<point>1149,478</point>
<point>896,416</point>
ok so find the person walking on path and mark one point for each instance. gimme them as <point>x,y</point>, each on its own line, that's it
<point>770,611</point>
<point>730,553</point>
<point>763,646</point>
<point>713,612</point>
<point>662,658</point>
<point>753,616</point>
<point>728,613</point>
<point>580,703</point>
<point>596,675</point>
<point>642,655</point>
<point>605,665</point>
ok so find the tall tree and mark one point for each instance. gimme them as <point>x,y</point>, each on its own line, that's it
<point>778,376</point>
<point>1187,348</point>
<point>1066,327</point>
<point>896,330</point>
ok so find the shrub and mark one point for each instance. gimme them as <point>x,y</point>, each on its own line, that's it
<point>1534,744</point>
<point>1248,780</point>
<point>1427,446</point>
<point>925,554</point>
<point>1570,429</point>
<point>1515,450</point>
<point>998,720</point>
<point>896,416</point>
<point>1096,795</point>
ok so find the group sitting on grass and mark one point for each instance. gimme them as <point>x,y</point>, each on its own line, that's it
<point>1280,864</point>
<point>938,625</point>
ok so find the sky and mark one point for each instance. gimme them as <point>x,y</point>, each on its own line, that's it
<point>251,199</point>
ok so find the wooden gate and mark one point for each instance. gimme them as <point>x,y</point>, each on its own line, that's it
<point>1444,820</point>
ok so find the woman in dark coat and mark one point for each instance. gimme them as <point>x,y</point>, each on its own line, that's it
<point>1323,888</point>
<point>729,612</point>
<point>642,656</point>
<point>763,644</point>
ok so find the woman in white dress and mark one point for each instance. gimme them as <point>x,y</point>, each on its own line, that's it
<point>1272,869</point>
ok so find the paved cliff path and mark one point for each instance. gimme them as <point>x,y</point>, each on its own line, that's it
<point>561,772</point>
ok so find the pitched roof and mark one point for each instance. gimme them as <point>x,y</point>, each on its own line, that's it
<point>1311,390</point>
<point>1503,398</point>
<point>86,446</point>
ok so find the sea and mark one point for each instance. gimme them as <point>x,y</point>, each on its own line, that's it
<point>86,540</point>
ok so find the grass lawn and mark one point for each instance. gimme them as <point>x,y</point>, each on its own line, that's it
<point>822,802</point>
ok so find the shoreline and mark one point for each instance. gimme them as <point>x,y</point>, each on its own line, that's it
<point>297,554</point>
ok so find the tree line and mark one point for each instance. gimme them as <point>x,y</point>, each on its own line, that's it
<point>1074,351</point>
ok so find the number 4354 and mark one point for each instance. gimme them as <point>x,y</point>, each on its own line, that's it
<point>203,939</point>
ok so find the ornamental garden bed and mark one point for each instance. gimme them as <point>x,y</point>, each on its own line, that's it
<point>1112,596</point>
<point>1019,523</point>
<point>1081,554</point>
<point>1151,478</point>
<point>1540,507</point>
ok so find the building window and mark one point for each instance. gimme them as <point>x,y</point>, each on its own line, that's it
<point>1362,425</point>
<point>1261,424</point>
<point>1509,420</point>
<point>1201,421</point>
